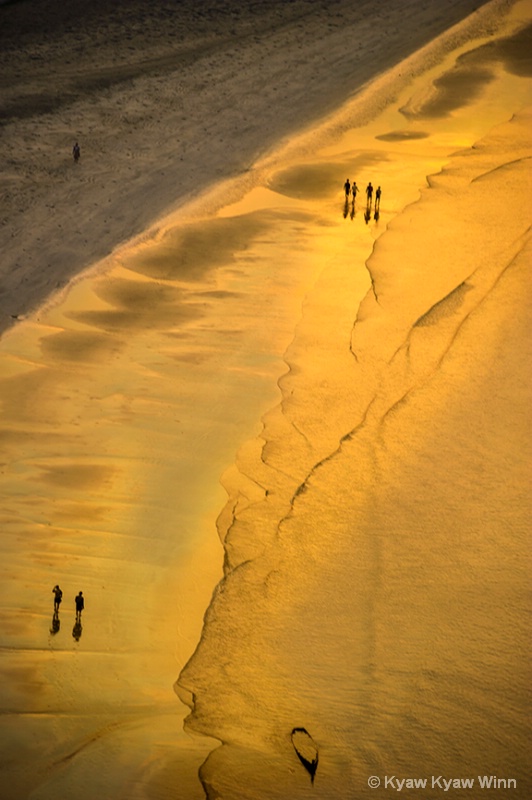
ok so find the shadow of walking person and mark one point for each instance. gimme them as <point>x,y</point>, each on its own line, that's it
<point>56,623</point>
<point>77,630</point>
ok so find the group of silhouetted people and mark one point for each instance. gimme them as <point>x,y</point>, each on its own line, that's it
<point>351,190</point>
<point>79,601</point>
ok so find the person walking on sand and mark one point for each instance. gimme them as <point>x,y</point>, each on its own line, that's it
<point>377,198</point>
<point>58,596</point>
<point>347,187</point>
<point>76,152</point>
<point>354,190</point>
<point>369,193</point>
<point>80,605</point>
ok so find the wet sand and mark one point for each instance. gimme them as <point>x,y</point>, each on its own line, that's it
<point>375,534</point>
<point>246,321</point>
<point>165,101</point>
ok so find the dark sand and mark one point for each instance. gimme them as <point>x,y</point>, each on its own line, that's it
<point>165,99</point>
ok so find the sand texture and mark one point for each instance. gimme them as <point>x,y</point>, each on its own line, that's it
<point>165,98</point>
<point>279,438</point>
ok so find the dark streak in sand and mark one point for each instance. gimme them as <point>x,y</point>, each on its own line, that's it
<point>474,69</point>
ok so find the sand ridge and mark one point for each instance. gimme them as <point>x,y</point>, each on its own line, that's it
<point>123,403</point>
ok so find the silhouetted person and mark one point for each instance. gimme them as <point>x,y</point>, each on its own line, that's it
<point>58,596</point>
<point>76,152</point>
<point>369,193</point>
<point>77,630</point>
<point>347,187</point>
<point>377,198</point>
<point>354,190</point>
<point>80,605</point>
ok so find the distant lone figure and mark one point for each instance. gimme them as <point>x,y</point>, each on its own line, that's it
<point>347,187</point>
<point>377,198</point>
<point>58,596</point>
<point>76,152</point>
<point>80,605</point>
<point>369,193</point>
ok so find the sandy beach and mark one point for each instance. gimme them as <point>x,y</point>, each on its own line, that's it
<point>164,103</point>
<point>278,437</point>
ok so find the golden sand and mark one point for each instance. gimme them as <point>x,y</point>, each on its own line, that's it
<point>271,320</point>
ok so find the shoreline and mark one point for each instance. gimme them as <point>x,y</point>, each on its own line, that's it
<point>155,132</point>
<point>117,442</point>
<point>374,582</point>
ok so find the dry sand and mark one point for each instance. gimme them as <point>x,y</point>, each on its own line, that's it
<point>164,98</point>
<point>358,553</point>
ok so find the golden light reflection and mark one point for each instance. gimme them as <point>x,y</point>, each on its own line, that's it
<point>126,400</point>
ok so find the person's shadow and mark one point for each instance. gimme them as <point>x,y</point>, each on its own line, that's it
<point>56,623</point>
<point>77,630</point>
<point>346,208</point>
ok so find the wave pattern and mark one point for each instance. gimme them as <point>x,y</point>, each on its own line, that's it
<point>374,576</point>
